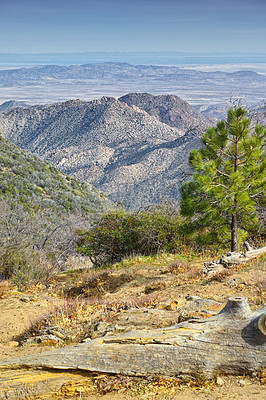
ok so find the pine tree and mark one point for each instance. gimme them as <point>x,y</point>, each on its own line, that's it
<point>229,180</point>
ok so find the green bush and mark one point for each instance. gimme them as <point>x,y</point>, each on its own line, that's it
<point>118,234</point>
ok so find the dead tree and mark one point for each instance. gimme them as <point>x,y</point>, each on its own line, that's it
<point>232,342</point>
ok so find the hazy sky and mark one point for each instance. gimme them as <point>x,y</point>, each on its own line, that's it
<point>37,26</point>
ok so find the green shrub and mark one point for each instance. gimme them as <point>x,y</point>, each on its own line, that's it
<point>118,234</point>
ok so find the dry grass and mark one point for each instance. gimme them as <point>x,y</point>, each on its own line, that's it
<point>93,296</point>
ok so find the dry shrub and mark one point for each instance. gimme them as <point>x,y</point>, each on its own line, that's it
<point>178,267</point>
<point>220,276</point>
<point>63,315</point>
<point>194,275</point>
<point>145,300</point>
<point>5,287</point>
<point>261,291</point>
<point>75,319</point>
<point>97,283</point>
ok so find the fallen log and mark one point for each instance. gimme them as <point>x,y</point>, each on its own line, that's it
<point>216,267</point>
<point>232,342</point>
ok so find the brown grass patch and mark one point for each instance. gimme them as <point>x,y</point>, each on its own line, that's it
<point>97,283</point>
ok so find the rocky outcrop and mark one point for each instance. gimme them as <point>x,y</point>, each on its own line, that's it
<point>169,109</point>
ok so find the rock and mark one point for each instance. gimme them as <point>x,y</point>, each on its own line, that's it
<point>45,340</point>
<point>12,343</point>
<point>219,381</point>
<point>198,309</point>
<point>192,298</point>
<point>212,269</point>
<point>176,304</point>
<point>101,329</point>
<point>57,334</point>
<point>241,382</point>
<point>25,299</point>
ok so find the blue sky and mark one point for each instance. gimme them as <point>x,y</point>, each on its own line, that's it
<point>37,26</point>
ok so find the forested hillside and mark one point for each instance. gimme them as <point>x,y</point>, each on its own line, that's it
<point>27,179</point>
<point>40,211</point>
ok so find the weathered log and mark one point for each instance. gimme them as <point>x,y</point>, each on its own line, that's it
<point>232,342</point>
<point>216,267</point>
<point>241,258</point>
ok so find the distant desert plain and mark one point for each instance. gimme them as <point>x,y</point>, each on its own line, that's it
<point>208,87</point>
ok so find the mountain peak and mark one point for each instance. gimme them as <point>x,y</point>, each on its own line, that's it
<point>169,109</point>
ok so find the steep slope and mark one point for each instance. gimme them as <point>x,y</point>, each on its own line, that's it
<point>130,155</point>
<point>34,183</point>
<point>169,109</point>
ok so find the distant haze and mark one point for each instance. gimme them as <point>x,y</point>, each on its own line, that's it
<point>253,61</point>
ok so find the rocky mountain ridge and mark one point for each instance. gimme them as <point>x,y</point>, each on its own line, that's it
<point>127,153</point>
<point>169,109</point>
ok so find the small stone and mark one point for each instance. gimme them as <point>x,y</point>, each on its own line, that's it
<point>241,382</point>
<point>25,299</point>
<point>219,381</point>
<point>192,298</point>
<point>56,333</point>
<point>45,340</point>
<point>162,306</point>
<point>12,343</point>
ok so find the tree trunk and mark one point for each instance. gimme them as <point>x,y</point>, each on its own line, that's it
<point>234,243</point>
<point>232,342</point>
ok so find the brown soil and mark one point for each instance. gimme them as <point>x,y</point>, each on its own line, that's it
<point>162,284</point>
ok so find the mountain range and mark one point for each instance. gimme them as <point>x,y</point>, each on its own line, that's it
<point>120,72</point>
<point>202,88</point>
<point>123,150</point>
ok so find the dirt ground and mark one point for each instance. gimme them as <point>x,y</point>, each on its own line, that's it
<point>164,279</point>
